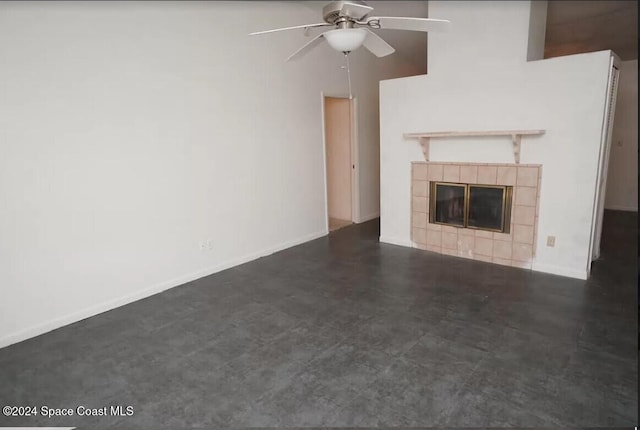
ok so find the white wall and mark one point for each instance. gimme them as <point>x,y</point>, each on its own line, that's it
<point>130,132</point>
<point>622,181</point>
<point>479,80</point>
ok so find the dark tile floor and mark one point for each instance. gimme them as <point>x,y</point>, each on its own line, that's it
<point>344,331</point>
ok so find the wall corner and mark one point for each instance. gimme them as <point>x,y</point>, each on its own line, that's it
<point>537,30</point>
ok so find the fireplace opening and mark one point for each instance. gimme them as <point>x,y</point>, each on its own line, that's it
<point>449,204</point>
<point>484,207</point>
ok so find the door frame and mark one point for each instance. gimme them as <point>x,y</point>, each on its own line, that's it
<point>355,162</point>
<point>603,160</point>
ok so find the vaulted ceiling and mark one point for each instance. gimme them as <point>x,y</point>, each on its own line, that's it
<point>575,27</point>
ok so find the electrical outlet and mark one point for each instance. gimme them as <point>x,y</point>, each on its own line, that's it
<point>206,245</point>
<point>551,241</point>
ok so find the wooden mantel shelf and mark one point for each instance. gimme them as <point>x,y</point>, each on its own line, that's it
<point>516,137</point>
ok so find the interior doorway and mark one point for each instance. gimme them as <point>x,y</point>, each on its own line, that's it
<point>340,165</point>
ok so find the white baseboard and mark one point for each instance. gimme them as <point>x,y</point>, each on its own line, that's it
<point>368,217</point>
<point>622,208</point>
<point>396,241</point>
<point>562,271</point>
<point>90,311</point>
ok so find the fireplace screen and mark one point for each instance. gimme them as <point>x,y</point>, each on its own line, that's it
<point>486,207</point>
<point>449,204</point>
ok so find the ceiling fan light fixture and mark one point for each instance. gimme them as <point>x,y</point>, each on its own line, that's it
<point>345,15</point>
<point>346,39</point>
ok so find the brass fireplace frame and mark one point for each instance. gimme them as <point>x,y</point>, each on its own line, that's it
<point>507,201</point>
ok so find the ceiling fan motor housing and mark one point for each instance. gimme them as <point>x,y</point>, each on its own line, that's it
<point>352,28</point>
<point>336,10</point>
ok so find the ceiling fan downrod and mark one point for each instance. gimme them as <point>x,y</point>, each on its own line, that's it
<point>346,56</point>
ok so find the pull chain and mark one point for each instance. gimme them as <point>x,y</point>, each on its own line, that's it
<point>346,55</point>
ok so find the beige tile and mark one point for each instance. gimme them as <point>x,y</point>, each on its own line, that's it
<point>434,248</point>
<point>466,232</point>
<point>521,264</point>
<point>526,196</point>
<point>524,215</point>
<point>419,188</point>
<point>415,215</point>
<point>484,258</point>
<point>539,185</point>
<point>451,173</point>
<point>522,252</point>
<point>527,176</point>
<point>466,244</point>
<point>419,221</point>
<point>503,236</point>
<point>452,252</point>
<point>434,238</point>
<point>420,172</point>
<point>523,234</point>
<point>449,229</point>
<point>434,227</point>
<point>507,175</point>
<point>502,249</point>
<point>487,175</point>
<point>419,204</point>
<point>465,254</point>
<point>501,261</point>
<point>469,174</point>
<point>435,172</point>
<point>483,246</point>
<point>449,240</point>
<point>420,246</point>
<point>485,234</point>
<point>419,235</point>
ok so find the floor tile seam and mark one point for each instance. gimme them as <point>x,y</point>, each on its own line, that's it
<point>246,318</point>
<point>303,368</point>
<point>361,321</point>
<point>474,371</point>
<point>219,365</point>
<point>420,338</point>
<point>466,381</point>
<point>441,337</point>
<point>273,390</point>
<point>443,417</point>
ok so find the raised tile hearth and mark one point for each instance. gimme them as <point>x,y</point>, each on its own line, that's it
<point>515,248</point>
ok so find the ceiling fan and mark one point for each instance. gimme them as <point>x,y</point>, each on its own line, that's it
<point>352,28</point>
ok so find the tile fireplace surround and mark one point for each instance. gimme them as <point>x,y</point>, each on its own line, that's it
<point>514,249</point>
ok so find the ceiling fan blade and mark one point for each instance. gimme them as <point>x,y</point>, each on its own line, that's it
<point>377,45</point>
<point>355,10</point>
<point>320,24</point>
<point>406,23</point>
<point>306,47</point>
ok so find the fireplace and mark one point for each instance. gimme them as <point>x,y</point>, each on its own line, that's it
<point>476,206</point>
<point>482,211</point>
